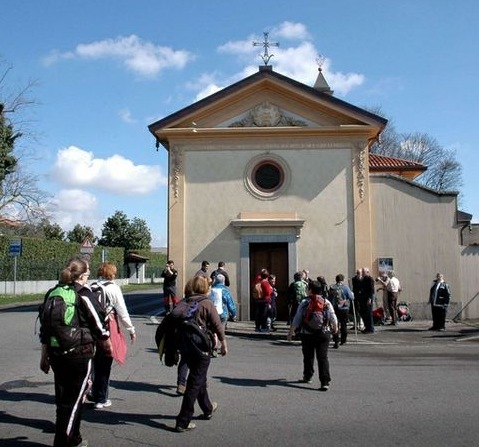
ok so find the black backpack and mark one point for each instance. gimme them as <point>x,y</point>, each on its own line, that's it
<point>180,332</point>
<point>59,320</point>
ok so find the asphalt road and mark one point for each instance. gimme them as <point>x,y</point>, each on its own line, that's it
<point>404,387</point>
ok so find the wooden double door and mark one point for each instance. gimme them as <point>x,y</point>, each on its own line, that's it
<point>274,258</point>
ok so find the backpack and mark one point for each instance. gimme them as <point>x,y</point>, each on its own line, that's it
<point>101,296</point>
<point>299,291</point>
<point>216,295</point>
<point>257,291</point>
<point>335,294</point>
<point>59,320</point>
<point>317,315</point>
<point>180,331</point>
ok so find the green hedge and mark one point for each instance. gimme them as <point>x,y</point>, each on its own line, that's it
<point>44,259</point>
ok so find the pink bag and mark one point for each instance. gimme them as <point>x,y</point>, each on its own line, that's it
<point>118,341</point>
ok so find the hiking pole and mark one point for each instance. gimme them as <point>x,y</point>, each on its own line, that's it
<point>467,304</point>
<point>355,323</point>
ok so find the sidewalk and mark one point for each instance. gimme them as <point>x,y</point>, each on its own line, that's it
<point>404,331</point>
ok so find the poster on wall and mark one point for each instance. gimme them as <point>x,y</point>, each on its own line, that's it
<point>385,265</point>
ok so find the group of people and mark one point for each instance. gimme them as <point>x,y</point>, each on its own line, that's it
<point>265,294</point>
<point>90,355</point>
<point>310,302</point>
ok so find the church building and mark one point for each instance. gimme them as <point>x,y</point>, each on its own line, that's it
<point>272,173</point>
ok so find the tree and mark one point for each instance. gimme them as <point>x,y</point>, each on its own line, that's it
<point>444,172</point>
<point>52,231</point>
<point>7,144</point>
<point>20,198</point>
<point>119,231</point>
<point>79,233</point>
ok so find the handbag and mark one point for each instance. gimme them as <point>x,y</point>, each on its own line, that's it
<point>118,342</point>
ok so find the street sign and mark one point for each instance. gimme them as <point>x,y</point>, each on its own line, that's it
<point>87,246</point>
<point>15,247</point>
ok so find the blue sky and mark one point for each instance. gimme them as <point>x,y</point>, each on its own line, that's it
<point>105,70</point>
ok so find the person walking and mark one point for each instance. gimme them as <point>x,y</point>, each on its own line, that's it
<point>116,309</point>
<point>72,368</point>
<point>315,339</point>
<point>341,298</point>
<point>228,308</point>
<point>297,292</point>
<point>439,298</point>
<point>196,389</point>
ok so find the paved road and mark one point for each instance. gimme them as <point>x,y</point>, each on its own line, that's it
<point>400,387</point>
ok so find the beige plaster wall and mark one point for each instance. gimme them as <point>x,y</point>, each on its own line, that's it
<point>319,193</point>
<point>416,228</point>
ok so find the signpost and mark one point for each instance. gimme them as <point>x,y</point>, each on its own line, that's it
<point>15,251</point>
<point>87,248</point>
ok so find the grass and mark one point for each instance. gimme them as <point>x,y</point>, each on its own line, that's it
<point>35,297</point>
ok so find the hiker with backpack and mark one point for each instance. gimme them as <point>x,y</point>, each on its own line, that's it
<point>190,315</point>
<point>316,321</point>
<point>114,311</point>
<point>70,326</point>
<point>341,298</point>
<point>297,292</point>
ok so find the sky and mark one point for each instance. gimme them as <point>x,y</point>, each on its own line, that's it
<point>104,70</point>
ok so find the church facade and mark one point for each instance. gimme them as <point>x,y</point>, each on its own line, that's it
<point>272,173</point>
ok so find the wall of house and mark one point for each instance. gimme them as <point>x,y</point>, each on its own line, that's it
<point>416,227</point>
<point>470,282</point>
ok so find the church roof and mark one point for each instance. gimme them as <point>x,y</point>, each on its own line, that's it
<point>320,92</point>
<point>405,168</point>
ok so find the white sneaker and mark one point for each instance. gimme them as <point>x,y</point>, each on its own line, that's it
<point>100,405</point>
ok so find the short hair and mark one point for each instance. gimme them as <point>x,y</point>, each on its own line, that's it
<point>321,279</point>
<point>297,276</point>
<point>315,287</point>
<point>220,279</point>
<point>221,264</point>
<point>200,285</point>
<point>264,274</point>
<point>107,270</point>
<point>339,277</point>
<point>170,261</point>
<point>204,263</point>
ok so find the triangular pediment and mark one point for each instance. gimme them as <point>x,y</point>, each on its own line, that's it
<point>268,99</point>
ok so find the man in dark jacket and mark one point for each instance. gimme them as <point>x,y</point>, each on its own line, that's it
<point>439,297</point>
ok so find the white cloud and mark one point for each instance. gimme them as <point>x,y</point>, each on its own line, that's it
<point>299,62</point>
<point>290,30</point>
<point>70,207</point>
<point>142,57</point>
<point>78,168</point>
<point>126,116</point>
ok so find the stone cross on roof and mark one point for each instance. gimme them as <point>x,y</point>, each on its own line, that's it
<point>266,44</point>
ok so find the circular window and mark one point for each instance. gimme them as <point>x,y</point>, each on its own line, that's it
<point>267,176</point>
